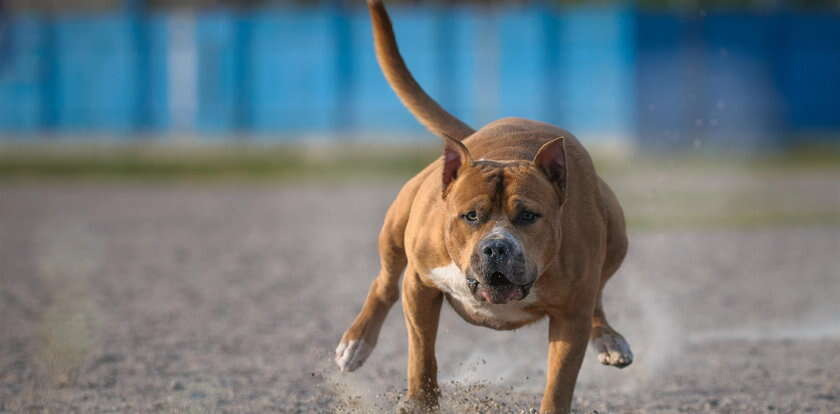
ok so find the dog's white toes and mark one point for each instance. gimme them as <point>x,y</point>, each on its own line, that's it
<point>613,350</point>
<point>351,355</point>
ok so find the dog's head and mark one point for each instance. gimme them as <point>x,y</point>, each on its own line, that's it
<point>503,218</point>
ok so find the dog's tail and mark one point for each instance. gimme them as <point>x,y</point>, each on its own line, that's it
<point>421,105</point>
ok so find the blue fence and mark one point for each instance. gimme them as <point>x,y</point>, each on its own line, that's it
<point>663,79</point>
<point>737,78</point>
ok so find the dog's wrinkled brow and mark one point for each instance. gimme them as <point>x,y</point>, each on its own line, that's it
<point>499,164</point>
<point>494,174</point>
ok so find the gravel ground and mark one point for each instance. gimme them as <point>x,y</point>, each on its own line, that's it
<point>120,297</point>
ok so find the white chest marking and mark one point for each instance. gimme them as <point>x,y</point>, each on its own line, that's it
<point>451,280</point>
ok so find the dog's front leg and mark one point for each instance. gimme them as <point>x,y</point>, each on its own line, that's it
<point>568,335</point>
<point>421,305</point>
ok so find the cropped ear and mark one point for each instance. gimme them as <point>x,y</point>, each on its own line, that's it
<point>551,160</point>
<point>455,156</point>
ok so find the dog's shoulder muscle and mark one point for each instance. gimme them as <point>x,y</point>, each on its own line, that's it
<point>399,213</point>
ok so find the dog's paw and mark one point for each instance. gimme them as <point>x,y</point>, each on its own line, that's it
<point>613,349</point>
<point>352,354</point>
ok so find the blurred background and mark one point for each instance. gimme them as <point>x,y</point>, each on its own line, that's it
<point>191,191</point>
<point>750,75</point>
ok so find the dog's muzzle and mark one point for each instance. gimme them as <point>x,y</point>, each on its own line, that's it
<point>499,271</point>
<point>498,289</point>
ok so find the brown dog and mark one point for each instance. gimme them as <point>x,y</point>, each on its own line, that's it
<point>510,225</point>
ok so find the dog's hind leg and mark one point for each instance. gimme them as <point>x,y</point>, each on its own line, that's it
<point>611,346</point>
<point>359,340</point>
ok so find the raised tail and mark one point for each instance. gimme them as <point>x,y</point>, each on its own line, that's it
<point>422,106</point>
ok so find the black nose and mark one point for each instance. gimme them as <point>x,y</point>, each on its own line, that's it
<point>497,250</point>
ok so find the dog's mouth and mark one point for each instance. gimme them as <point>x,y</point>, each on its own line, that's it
<point>498,289</point>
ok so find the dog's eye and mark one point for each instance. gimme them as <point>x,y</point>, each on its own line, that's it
<point>526,217</point>
<point>471,216</point>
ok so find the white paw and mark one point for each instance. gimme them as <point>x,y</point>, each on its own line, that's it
<point>613,350</point>
<point>351,355</point>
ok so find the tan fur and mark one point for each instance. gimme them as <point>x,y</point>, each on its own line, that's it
<point>425,109</point>
<point>578,245</point>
